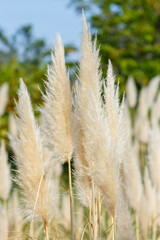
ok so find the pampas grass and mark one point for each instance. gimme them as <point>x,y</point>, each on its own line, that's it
<point>57,113</point>
<point>114,144</point>
<point>5,176</point>
<point>39,192</point>
<point>101,126</point>
<point>87,102</point>
<point>131,91</point>
<point>3,98</point>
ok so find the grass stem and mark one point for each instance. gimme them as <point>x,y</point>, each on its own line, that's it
<point>71,198</point>
<point>46,230</point>
<point>99,214</point>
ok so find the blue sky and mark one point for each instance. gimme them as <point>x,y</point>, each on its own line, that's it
<point>47,17</point>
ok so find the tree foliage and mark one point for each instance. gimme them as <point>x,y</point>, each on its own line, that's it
<point>128,32</point>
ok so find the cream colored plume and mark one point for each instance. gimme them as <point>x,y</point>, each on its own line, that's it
<point>127,115</point>
<point>132,176</point>
<point>111,145</point>
<point>155,113</point>
<point>115,117</point>
<point>65,212</point>
<point>15,218</point>
<point>88,87</point>
<point>124,223</point>
<point>4,226</point>
<point>5,176</point>
<point>141,126</point>
<point>83,181</point>
<point>100,126</point>
<point>151,197</point>
<point>143,215</point>
<point>154,156</point>
<point>143,105</point>
<point>131,91</point>
<point>152,89</point>
<point>33,171</point>
<point>3,98</point>
<point>79,223</point>
<point>12,125</point>
<point>58,106</point>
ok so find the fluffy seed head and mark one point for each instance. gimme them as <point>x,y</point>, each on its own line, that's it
<point>5,177</point>
<point>58,106</point>
<point>131,92</point>
<point>3,98</point>
<point>33,173</point>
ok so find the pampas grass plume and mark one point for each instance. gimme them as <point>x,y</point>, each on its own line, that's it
<point>131,92</point>
<point>3,98</point>
<point>5,177</point>
<point>58,106</point>
<point>12,127</point>
<point>33,173</point>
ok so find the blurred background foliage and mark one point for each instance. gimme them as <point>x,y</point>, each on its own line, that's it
<point>128,33</point>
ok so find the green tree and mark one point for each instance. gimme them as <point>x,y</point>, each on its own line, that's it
<point>129,34</point>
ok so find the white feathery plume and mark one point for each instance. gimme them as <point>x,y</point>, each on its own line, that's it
<point>143,105</point>
<point>4,226</point>
<point>89,87</point>
<point>56,168</point>
<point>103,137</point>
<point>79,222</point>
<point>124,224</point>
<point>12,128</point>
<point>129,130</point>
<point>5,177</point>
<point>58,106</point>
<point>131,92</point>
<point>152,89</point>
<point>3,98</point>
<point>88,107</point>
<point>143,215</point>
<point>141,126</point>
<point>132,176</point>
<point>15,218</point>
<point>65,212</point>
<point>154,156</point>
<point>151,197</point>
<point>57,113</point>
<point>33,175</point>
<point>83,181</point>
<point>155,113</point>
<point>115,117</point>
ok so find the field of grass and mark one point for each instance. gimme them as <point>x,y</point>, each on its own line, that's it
<point>89,167</point>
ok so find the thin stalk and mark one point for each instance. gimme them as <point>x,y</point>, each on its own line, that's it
<point>31,231</point>
<point>96,217</point>
<point>93,210</point>
<point>114,228</point>
<point>154,231</point>
<point>137,226</point>
<point>46,230</point>
<point>90,220</point>
<point>99,214</point>
<point>71,198</point>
